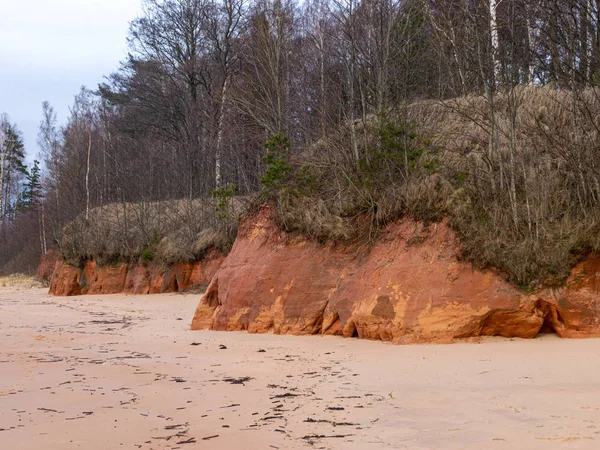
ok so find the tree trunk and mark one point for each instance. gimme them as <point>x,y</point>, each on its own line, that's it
<point>43,223</point>
<point>351,109</point>
<point>495,42</point>
<point>531,46</point>
<point>87,177</point>
<point>2,159</point>
<point>512,157</point>
<point>322,81</point>
<point>218,150</point>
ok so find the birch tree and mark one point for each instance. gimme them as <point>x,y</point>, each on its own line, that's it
<point>495,53</point>
<point>225,22</point>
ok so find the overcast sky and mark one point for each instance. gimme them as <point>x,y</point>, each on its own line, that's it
<point>50,48</point>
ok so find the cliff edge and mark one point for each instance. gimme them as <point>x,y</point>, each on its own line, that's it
<point>410,287</point>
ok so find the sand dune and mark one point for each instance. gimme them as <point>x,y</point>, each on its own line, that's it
<point>117,371</point>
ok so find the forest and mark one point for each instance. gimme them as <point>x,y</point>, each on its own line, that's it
<point>345,114</point>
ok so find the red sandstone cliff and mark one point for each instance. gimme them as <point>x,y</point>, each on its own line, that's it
<point>133,278</point>
<point>409,288</point>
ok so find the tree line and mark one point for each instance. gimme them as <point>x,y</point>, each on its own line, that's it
<point>21,199</point>
<point>207,83</point>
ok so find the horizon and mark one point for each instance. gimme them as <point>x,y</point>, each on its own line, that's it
<point>49,51</point>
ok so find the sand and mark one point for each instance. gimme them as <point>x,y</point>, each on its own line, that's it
<point>117,371</point>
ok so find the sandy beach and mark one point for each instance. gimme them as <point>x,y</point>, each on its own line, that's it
<point>117,371</point>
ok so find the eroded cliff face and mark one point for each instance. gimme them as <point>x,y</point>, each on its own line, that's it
<point>134,278</point>
<point>409,288</point>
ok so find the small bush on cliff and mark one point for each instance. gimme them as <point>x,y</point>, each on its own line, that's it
<point>224,196</point>
<point>147,255</point>
<point>222,238</point>
<point>277,170</point>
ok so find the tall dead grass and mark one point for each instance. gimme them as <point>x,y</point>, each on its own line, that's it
<point>518,175</point>
<point>164,232</point>
<point>529,199</point>
<point>20,281</point>
<point>334,196</point>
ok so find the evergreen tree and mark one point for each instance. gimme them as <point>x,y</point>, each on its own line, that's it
<point>12,168</point>
<point>14,150</point>
<point>32,191</point>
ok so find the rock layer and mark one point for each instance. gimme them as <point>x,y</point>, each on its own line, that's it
<point>410,287</point>
<point>133,278</point>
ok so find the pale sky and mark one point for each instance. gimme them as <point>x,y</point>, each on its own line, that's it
<point>50,48</point>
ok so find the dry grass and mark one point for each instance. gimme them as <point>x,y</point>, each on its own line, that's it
<point>20,281</point>
<point>334,196</point>
<point>165,232</point>
<point>529,201</point>
<point>518,176</point>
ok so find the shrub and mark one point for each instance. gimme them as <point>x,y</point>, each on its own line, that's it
<point>147,255</point>
<point>277,169</point>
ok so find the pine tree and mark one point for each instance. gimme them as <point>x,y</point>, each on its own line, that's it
<point>12,168</point>
<point>33,186</point>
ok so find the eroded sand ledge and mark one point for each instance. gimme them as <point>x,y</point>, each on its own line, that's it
<point>117,371</point>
